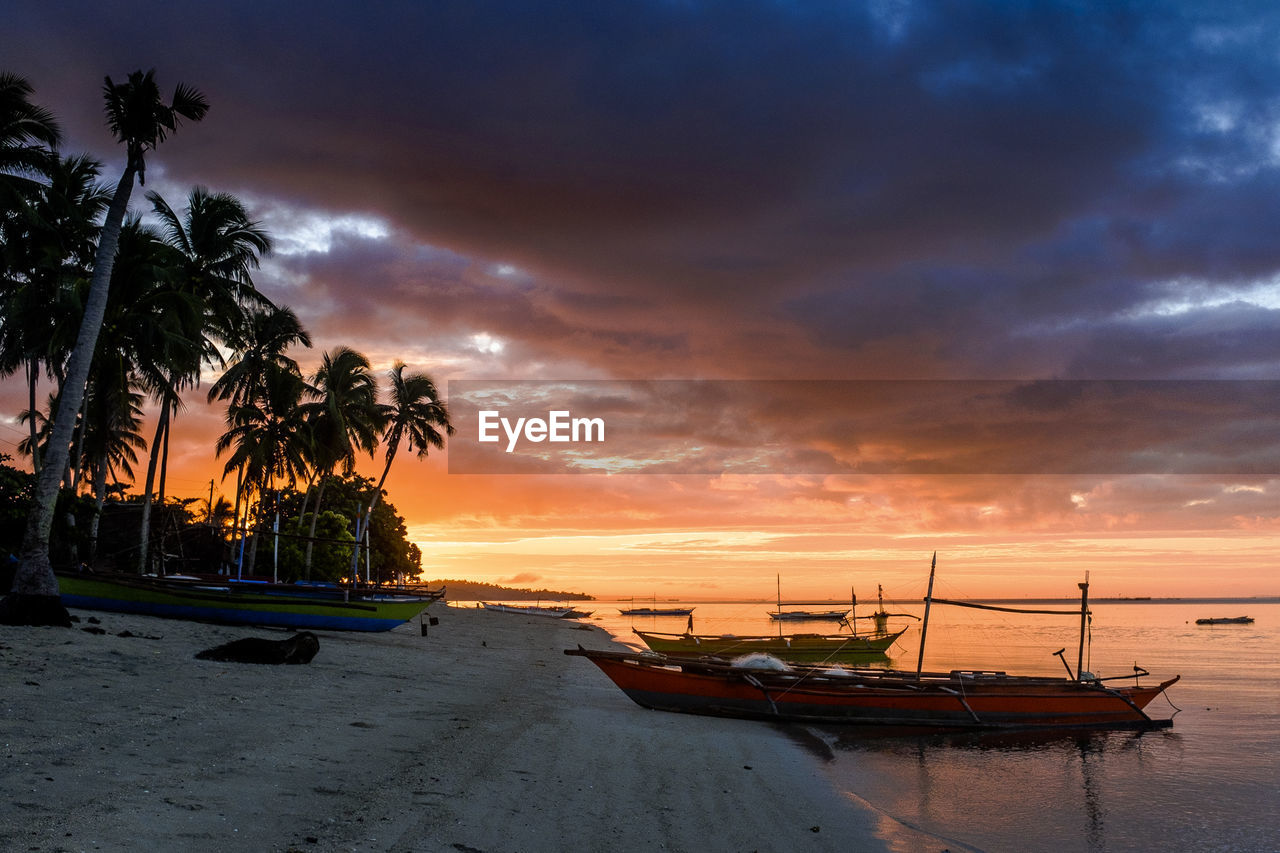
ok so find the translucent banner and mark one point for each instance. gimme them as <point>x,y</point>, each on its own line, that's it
<point>1220,427</point>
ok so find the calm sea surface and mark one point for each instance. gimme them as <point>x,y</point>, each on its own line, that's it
<point>1211,782</point>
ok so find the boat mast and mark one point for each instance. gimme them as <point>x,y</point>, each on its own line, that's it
<point>1084,617</point>
<point>853,611</point>
<point>924,629</point>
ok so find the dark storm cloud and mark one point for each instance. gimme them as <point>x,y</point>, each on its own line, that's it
<point>742,187</point>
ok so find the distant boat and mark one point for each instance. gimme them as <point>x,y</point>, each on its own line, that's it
<point>809,615</point>
<point>1226,620</point>
<point>657,611</point>
<point>794,648</point>
<point>529,610</point>
<point>211,601</point>
<point>781,615</point>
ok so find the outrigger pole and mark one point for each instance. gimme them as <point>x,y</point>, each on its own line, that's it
<point>1084,618</point>
<point>924,629</point>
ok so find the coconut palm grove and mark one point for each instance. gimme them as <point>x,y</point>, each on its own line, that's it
<point>106,308</point>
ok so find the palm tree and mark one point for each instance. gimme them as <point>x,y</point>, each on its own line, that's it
<point>263,436</point>
<point>49,251</point>
<point>214,248</point>
<point>345,418</point>
<point>29,171</point>
<point>140,120</point>
<point>28,135</point>
<point>112,436</point>
<point>259,343</point>
<point>415,415</point>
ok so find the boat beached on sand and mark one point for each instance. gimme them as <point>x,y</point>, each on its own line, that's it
<point>529,609</point>
<point>238,604</point>
<point>765,688</point>
<point>826,694</point>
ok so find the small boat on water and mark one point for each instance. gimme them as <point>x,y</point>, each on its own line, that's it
<point>808,615</point>
<point>654,610</point>
<point>796,648</point>
<point>793,648</point>
<point>237,604</point>
<point>781,615</point>
<point>1226,620</point>
<point>761,687</point>
<point>657,611</point>
<point>529,609</point>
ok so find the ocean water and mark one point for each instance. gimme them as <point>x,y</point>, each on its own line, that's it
<point>1211,782</point>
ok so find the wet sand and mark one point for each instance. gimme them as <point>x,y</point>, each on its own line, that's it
<point>482,736</point>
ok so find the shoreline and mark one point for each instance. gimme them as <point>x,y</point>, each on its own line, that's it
<point>480,736</point>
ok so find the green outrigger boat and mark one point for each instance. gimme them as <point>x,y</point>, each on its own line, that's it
<point>793,648</point>
<point>228,603</point>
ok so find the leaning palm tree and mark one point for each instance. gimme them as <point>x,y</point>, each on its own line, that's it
<point>415,415</point>
<point>140,120</point>
<point>345,418</point>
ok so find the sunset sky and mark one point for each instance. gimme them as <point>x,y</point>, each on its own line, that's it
<point>806,193</point>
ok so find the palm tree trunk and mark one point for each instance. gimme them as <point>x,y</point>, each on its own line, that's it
<point>164,470</point>
<point>77,456</point>
<point>33,378</point>
<point>311,535</point>
<point>306,501</point>
<point>35,586</point>
<point>144,532</point>
<point>235,520</point>
<point>99,498</point>
<point>362,528</point>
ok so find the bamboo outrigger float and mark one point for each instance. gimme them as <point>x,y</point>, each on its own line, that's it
<point>959,699</point>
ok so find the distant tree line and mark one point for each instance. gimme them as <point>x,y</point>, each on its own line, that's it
<point>460,590</point>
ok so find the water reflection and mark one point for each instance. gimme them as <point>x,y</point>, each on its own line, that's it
<point>999,790</point>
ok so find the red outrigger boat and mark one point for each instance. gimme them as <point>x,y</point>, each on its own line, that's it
<point>823,694</point>
<point>953,700</point>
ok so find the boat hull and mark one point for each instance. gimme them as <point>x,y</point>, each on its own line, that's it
<point>808,615</point>
<point>936,701</point>
<point>212,603</point>
<point>795,648</point>
<point>550,612</point>
<point>650,611</point>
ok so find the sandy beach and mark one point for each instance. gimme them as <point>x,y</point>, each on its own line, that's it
<point>481,736</point>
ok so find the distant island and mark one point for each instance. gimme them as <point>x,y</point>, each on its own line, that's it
<point>460,590</point>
